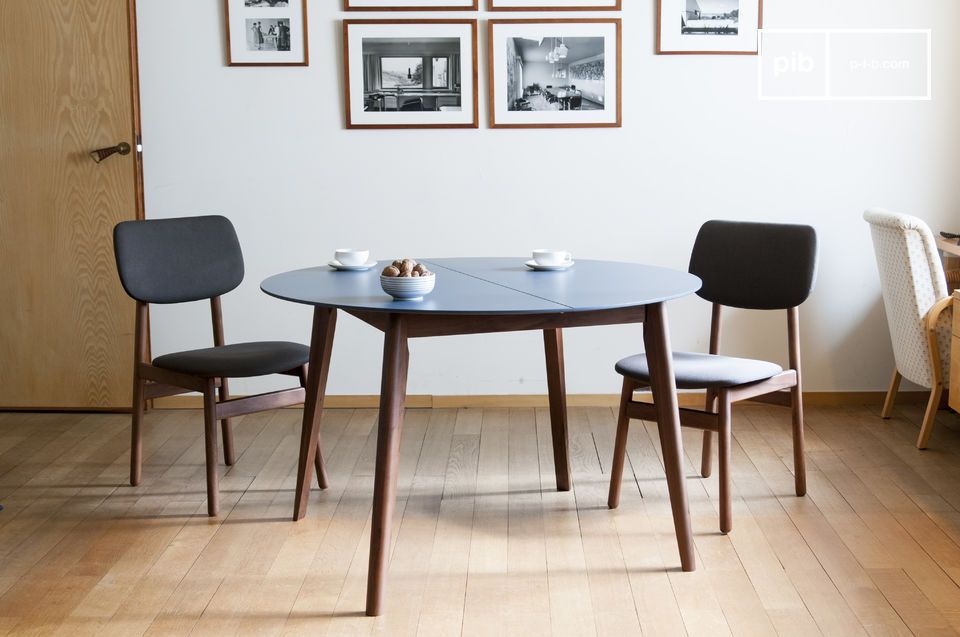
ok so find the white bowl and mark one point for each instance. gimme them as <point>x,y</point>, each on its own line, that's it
<point>408,288</point>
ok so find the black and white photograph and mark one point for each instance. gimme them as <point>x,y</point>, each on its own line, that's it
<point>555,74</point>
<point>414,73</point>
<point>711,17</point>
<point>266,33</point>
<point>554,5</point>
<point>401,75</point>
<point>410,5</point>
<point>709,26</point>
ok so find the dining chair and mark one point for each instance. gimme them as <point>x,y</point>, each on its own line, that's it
<point>918,307</point>
<point>746,265</point>
<point>167,261</point>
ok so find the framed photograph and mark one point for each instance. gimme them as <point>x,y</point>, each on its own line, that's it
<point>709,27</point>
<point>555,73</point>
<point>266,32</point>
<point>411,73</point>
<point>411,5</point>
<point>554,5</point>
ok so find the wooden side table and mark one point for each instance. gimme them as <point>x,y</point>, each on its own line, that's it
<point>950,249</point>
<point>954,400</point>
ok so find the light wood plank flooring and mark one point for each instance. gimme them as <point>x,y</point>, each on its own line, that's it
<point>483,543</point>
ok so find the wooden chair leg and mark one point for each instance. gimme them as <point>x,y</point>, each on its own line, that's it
<point>136,417</point>
<point>620,447</point>
<point>321,468</point>
<point>706,458</point>
<point>210,440</point>
<point>226,427</point>
<point>799,457</point>
<point>926,430</point>
<point>136,434</point>
<point>725,434</point>
<point>891,395</point>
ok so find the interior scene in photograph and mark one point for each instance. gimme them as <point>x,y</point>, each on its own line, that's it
<point>711,17</point>
<point>556,74</point>
<point>411,74</point>
<point>268,34</point>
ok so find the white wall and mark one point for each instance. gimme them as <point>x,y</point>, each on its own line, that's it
<point>267,148</point>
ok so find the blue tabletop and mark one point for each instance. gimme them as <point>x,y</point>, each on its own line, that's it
<point>490,286</point>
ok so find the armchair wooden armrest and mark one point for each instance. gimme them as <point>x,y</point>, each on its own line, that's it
<point>931,320</point>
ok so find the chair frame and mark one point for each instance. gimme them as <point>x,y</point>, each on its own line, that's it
<point>151,382</point>
<point>936,392</point>
<point>784,389</point>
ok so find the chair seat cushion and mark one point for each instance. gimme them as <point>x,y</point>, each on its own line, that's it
<point>701,371</point>
<point>238,360</point>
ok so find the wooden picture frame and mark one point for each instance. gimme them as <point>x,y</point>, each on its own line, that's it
<point>349,5</point>
<point>616,6</point>
<point>553,121</point>
<point>463,91</point>
<point>661,50</point>
<point>296,23</point>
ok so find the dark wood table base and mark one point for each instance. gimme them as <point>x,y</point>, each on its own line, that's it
<point>398,328</point>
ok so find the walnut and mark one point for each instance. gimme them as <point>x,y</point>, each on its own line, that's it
<point>406,268</point>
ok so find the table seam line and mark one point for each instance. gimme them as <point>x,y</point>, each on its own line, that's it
<point>506,287</point>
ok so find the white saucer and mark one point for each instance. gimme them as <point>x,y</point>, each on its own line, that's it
<point>336,265</point>
<point>533,265</point>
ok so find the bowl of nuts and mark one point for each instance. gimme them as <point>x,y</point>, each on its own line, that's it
<point>407,280</point>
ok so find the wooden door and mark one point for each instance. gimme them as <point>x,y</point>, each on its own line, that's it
<point>68,85</point>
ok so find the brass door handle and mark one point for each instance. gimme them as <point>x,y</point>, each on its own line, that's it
<point>123,148</point>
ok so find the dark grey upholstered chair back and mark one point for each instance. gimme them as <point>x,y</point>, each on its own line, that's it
<point>757,266</point>
<point>178,260</point>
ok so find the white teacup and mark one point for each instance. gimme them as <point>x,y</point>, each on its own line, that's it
<point>552,257</point>
<point>350,256</point>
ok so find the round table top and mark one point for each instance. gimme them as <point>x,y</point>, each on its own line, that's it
<point>481,285</point>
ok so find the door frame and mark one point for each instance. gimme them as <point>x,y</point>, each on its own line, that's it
<point>135,115</point>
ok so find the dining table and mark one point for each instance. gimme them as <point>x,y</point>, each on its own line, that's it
<point>484,295</point>
<point>563,96</point>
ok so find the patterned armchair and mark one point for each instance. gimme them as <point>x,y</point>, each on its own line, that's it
<point>918,306</point>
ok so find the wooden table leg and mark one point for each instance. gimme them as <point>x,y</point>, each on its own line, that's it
<point>656,337</point>
<point>303,375</point>
<point>557,387</point>
<point>393,391</point>
<point>321,345</point>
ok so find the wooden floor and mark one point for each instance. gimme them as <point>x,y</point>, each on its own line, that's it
<point>484,544</point>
